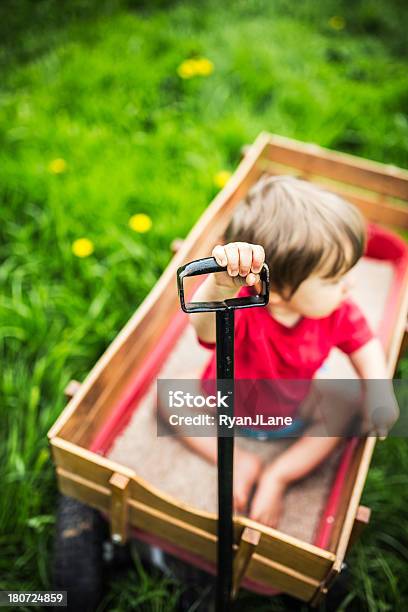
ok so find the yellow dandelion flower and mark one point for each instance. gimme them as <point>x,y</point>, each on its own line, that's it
<point>140,223</point>
<point>337,22</point>
<point>195,66</point>
<point>187,69</point>
<point>57,166</point>
<point>222,178</point>
<point>204,66</point>
<point>83,247</point>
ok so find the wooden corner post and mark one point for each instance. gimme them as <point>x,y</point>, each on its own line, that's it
<point>247,545</point>
<point>119,510</point>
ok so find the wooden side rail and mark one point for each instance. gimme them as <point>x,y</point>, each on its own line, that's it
<point>360,523</point>
<point>315,160</point>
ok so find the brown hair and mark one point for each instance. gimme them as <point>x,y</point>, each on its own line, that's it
<point>303,229</point>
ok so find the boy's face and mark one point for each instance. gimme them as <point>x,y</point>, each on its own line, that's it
<point>317,297</point>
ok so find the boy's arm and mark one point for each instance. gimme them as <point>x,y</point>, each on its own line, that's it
<point>244,262</point>
<point>204,322</point>
<point>369,361</point>
<point>381,407</point>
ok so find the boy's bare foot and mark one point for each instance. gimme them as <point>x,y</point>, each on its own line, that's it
<point>247,469</point>
<point>267,504</point>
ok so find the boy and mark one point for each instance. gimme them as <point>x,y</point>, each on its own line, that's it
<point>310,239</point>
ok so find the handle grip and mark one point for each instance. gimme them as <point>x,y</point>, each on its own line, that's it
<point>209,265</point>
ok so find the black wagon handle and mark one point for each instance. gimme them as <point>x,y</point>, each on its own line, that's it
<point>224,311</point>
<point>209,265</point>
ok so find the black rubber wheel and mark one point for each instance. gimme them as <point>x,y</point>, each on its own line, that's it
<point>339,592</point>
<point>198,587</point>
<point>77,560</point>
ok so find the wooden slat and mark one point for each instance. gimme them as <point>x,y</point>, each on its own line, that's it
<point>195,540</point>
<point>99,470</point>
<point>272,573</point>
<point>313,159</point>
<point>384,213</point>
<point>141,516</point>
<point>84,490</point>
<point>94,468</point>
<point>173,530</point>
<point>307,561</point>
<point>145,493</point>
<point>290,551</point>
<point>86,464</point>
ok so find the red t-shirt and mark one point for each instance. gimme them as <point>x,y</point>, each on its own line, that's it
<point>266,349</point>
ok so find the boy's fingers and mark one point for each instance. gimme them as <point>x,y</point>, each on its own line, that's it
<point>239,502</point>
<point>254,511</point>
<point>245,258</point>
<point>258,258</point>
<point>241,258</point>
<point>253,280</point>
<point>232,253</point>
<point>218,253</point>
<point>258,285</point>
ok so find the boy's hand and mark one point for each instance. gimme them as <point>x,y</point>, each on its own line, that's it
<point>381,411</point>
<point>247,469</point>
<point>267,503</point>
<point>244,262</point>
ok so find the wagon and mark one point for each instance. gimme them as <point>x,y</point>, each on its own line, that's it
<point>104,444</point>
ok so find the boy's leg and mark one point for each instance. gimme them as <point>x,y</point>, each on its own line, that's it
<point>331,410</point>
<point>305,454</point>
<point>206,447</point>
<point>247,466</point>
<point>296,462</point>
<point>334,408</point>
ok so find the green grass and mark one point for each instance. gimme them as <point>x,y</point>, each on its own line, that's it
<point>96,84</point>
